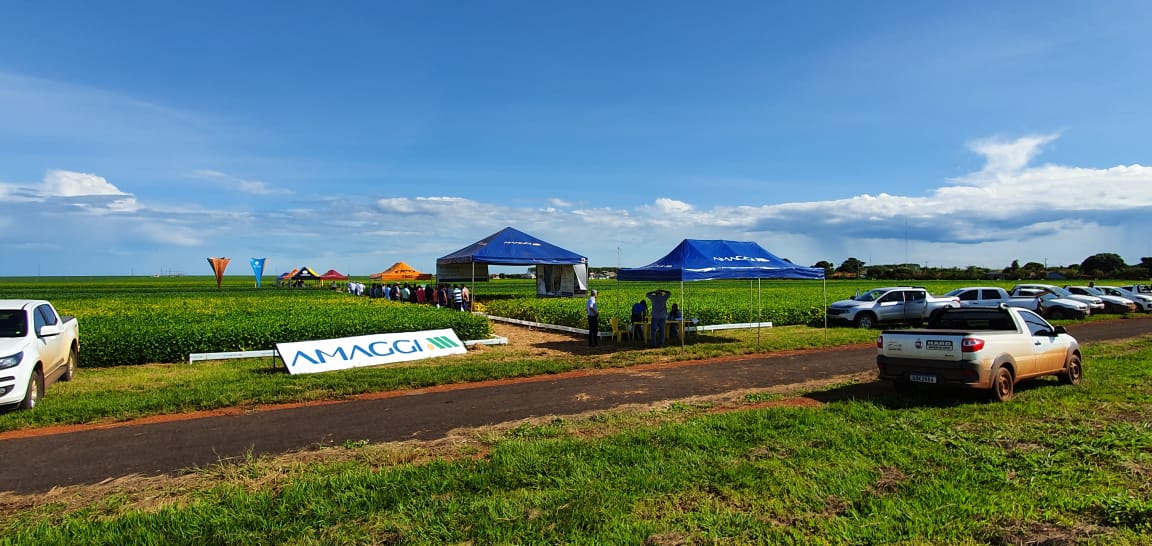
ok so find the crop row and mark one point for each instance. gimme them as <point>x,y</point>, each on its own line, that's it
<point>712,302</point>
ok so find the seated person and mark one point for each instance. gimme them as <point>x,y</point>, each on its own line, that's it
<point>674,314</point>
<point>639,315</point>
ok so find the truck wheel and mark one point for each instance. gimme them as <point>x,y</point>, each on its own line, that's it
<point>70,366</point>
<point>1073,372</point>
<point>1002,384</point>
<point>866,321</point>
<point>35,389</point>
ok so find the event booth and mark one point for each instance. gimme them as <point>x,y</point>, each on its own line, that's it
<point>706,259</point>
<point>400,271</point>
<point>559,272</point>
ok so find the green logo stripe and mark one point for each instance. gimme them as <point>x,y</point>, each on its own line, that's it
<point>443,342</point>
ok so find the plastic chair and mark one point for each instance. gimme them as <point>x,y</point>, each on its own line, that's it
<point>618,334</point>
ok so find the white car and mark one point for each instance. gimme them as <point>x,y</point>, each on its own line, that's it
<point>1094,303</point>
<point>1112,304</point>
<point>1138,288</point>
<point>1142,301</point>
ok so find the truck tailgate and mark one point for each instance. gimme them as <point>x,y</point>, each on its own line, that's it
<point>923,344</point>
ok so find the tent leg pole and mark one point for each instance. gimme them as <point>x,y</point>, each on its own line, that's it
<point>683,316</point>
<point>825,310</point>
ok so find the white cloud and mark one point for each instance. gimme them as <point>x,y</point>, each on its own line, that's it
<point>1007,157</point>
<point>70,184</point>
<point>235,183</point>
<point>556,202</point>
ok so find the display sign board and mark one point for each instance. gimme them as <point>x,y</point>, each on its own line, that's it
<point>326,355</point>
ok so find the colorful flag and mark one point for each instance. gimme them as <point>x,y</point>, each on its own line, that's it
<point>218,267</point>
<point>258,269</point>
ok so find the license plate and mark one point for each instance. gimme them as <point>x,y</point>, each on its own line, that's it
<point>921,378</point>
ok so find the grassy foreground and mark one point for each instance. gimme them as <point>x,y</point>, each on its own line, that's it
<point>1057,465</point>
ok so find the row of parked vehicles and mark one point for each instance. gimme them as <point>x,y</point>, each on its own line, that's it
<point>983,337</point>
<point>913,304</point>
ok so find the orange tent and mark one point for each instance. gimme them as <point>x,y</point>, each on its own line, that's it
<point>400,271</point>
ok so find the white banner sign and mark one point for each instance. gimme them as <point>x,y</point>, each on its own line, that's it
<point>353,352</point>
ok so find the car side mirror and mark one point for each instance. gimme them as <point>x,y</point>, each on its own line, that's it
<point>1059,330</point>
<point>49,330</point>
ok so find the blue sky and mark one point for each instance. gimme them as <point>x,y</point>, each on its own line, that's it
<point>140,138</point>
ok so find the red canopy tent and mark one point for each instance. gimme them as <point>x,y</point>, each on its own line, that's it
<point>333,275</point>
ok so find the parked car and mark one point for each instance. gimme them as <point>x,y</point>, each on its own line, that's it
<point>1143,301</point>
<point>990,348</point>
<point>1112,304</point>
<point>37,348</point>
<point>1042,302</point>
<point>1095,305</point>
<point>1139,288</point>
<point>892,304</point>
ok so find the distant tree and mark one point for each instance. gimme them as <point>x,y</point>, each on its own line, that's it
<point>1146,263</point>
<point>974,273</point>
<point>1102,265</point>
<point>902,273</point>
<point>1132,273</point>
<point>826,266</point>
<point>851,265</point>
<point>1034,270</point>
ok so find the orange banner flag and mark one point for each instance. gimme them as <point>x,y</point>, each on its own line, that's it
<point>218,267</point>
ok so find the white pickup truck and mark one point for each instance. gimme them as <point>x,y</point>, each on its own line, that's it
<point>37,347</point>
<point>894,304</point>
<point>990,348</point>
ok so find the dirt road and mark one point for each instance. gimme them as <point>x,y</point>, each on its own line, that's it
<point>91,455</point>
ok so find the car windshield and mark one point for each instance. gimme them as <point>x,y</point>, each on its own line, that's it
<point>13,323</point>
<point>1093,290</point>
<point>871,295</point>
<point>1059,291</point>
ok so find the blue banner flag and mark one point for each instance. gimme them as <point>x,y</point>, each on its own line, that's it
<point>258,269</point>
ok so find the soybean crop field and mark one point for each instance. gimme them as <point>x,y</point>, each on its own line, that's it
<point>136,320</point>
<point>781,302</point>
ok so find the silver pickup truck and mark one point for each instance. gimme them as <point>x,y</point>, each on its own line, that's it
<point>893,304</point>
<point>990,348</point>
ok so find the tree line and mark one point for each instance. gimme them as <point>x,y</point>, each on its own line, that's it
<point>1096,266</point>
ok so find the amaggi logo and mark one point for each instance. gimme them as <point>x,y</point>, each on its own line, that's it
<point>375,349</point>
<point>739,259</point>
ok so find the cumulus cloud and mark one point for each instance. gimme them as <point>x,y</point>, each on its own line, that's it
<point>79,191</point>
<point>1007,199</point>
<point>71,184</point>
<point>1004,157</point>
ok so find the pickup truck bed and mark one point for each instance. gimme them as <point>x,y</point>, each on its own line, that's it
<point>984,348</point>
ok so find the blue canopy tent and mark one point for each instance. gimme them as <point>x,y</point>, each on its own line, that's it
<point>559,272</point>
<point>709,259</point>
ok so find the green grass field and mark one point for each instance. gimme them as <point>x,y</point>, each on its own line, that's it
<point>1057,465</point>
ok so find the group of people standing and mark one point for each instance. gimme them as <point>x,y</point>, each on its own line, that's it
<point>660,316</point>
<point>451,296</point>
